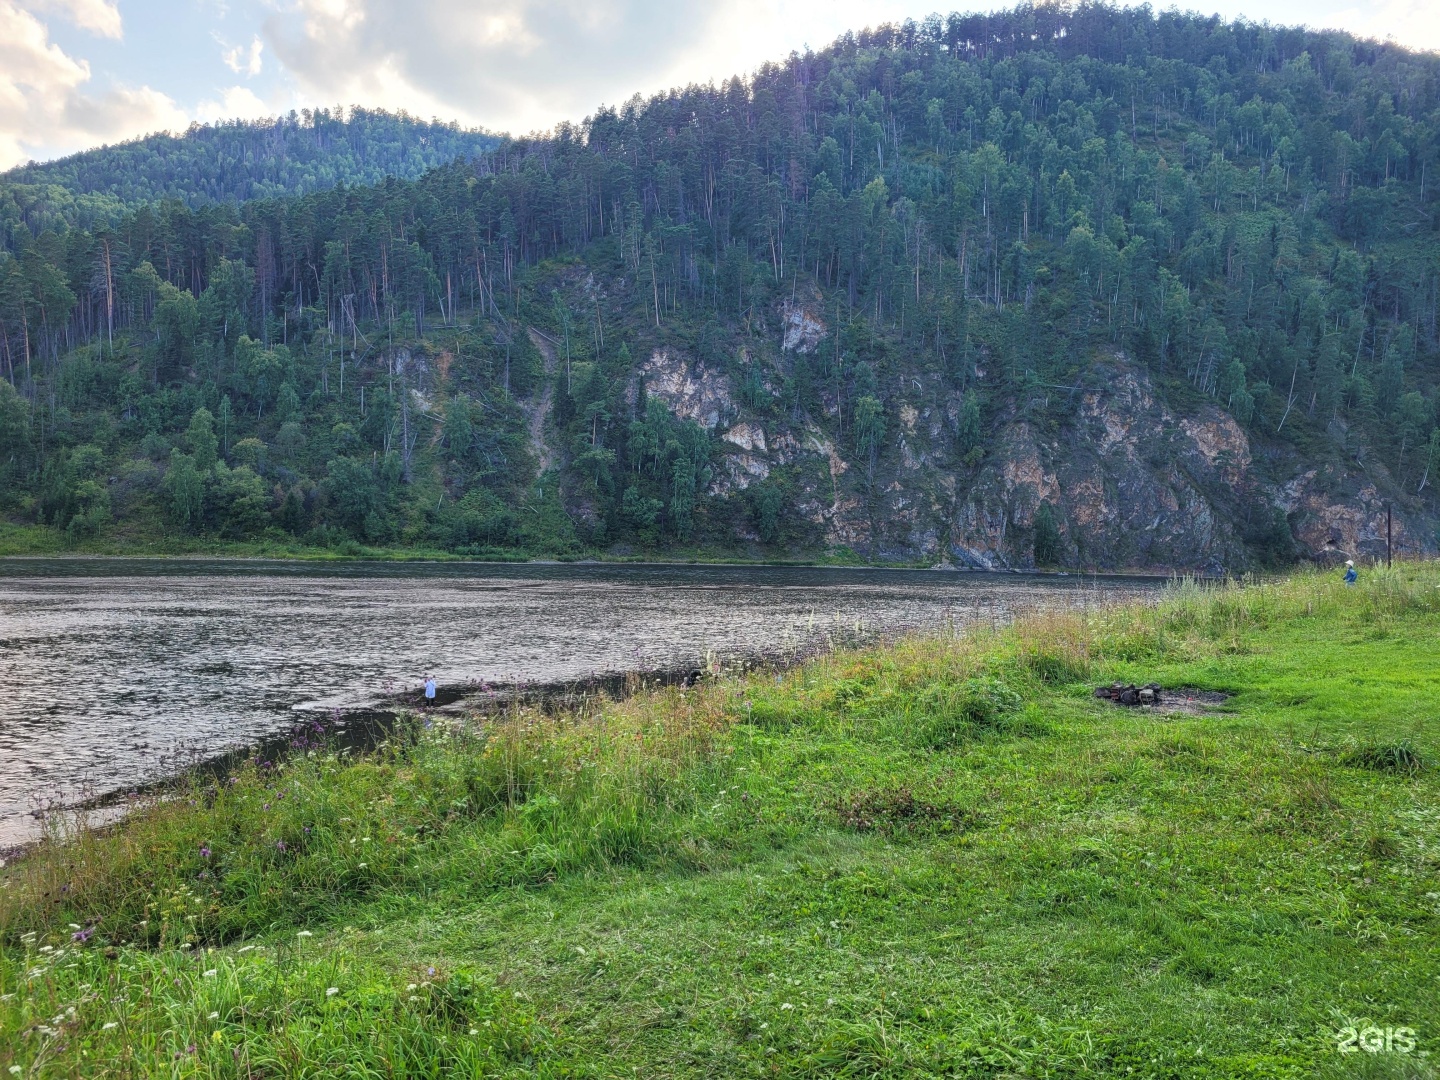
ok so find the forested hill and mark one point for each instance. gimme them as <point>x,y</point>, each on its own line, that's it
<point>244,159</point>
<point>1089,287</point>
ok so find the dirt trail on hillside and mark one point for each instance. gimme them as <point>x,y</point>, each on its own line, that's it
<point>544,456</point>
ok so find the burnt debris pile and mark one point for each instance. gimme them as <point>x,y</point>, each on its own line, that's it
<point>1122,694</point>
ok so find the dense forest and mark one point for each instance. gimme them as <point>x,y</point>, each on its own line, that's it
<point>232,162</point>
<point>980,212</point>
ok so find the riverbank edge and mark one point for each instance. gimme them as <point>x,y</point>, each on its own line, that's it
<point>40,542</point>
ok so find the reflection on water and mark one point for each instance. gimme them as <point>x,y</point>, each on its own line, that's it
<point>109,666</point>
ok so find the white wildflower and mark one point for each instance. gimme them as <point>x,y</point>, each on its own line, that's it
<point>304,933</point>
<point>363,865</point>
<point>15,1070</point>
<point>109,1025</point>
<point>412,997</point>
<point>213,1016</point>
<point>212,973</point>
<point>246,948</point>
<point>332,991</point>
<point>74,926</point>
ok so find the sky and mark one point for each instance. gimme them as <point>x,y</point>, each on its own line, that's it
<point>80,73</point>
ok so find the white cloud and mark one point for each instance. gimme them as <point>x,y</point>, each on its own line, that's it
<point>515,64</point>
<point>1412,23</point>
<point>522,65</point>
<point>44,107</point>
<point>243,60</point>
<point>236,103</point>
<point>100,17</point>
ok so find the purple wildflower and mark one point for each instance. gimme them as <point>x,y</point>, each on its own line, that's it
<point>82,936</point>
<point>204,852</point>
<point>280,844</point>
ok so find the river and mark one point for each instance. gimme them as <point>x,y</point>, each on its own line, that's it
<point>113,671</point>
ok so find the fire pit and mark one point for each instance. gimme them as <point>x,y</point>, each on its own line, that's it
<point>1122,694</point>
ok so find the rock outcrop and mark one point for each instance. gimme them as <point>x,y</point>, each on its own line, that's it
<point>1131,483</point>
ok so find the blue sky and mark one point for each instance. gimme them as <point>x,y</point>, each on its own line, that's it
<point>77,73</point>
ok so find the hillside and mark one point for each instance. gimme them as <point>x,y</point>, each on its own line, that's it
<point>1088,288</point>
<point>940,858</point>
<point>234,161</point>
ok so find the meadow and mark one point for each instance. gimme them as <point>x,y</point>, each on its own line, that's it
<point>939,856</point>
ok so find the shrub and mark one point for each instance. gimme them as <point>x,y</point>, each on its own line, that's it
<point>1392,757</point>
<point>950,715</point>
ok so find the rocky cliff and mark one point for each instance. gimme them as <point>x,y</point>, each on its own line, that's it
<point>1132,482</point>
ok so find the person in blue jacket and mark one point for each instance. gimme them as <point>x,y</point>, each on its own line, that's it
<point>1350,574</point>
<point>429,691</point>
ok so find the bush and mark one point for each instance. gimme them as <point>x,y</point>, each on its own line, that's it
<point>951,715</point>
<point>1391,757</point>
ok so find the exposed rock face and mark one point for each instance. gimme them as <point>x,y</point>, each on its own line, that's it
<point>1333,522</point>
<point>803,327</point>
<point>690,391</point>
<point>1131,483</point>
<point>747,436</point>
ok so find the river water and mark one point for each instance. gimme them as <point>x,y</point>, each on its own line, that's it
<point>114,670</point>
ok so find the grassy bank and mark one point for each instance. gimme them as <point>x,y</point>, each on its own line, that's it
<point>943,857</point>
<point>41,540</point>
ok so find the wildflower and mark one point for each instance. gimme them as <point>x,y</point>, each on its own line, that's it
<point>785,1007</point>
<point>280,845</point>
<point>474,1031</point>
<point>412,986</point>
<point>332,991</point>
<point>430,971</point>
<point>304,933</point>
<point>363,865</point>
<point>109,1025</point>
<point>412,997</point>
<point>211,973</point>
<point>246,948</point>
<point>204,852</point>
<point>213,1016</point>
<point>82,936</point>
<point>74,926</point>
<point>15,1070</point>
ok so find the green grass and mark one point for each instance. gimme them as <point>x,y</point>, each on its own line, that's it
<point>938,858</point>
<point>41,540</point>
